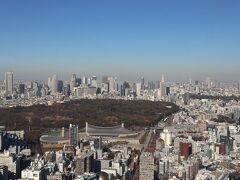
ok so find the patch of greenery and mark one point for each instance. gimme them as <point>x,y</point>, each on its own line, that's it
<point>101,112</point>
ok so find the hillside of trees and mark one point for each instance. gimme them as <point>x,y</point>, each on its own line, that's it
<point>104,112</point>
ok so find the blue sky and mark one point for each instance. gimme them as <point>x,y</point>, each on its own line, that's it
<point>124,38</point>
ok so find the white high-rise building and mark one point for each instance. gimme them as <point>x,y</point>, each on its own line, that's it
<point>166,136</point>
<point>35,173</point>
<point>94,81</point>
<point>8,83</point>
<point>73,83</point>
<point>54,85</point>
<point>89,81</point>
<point>208,82</point>
<point>138,89</point>
<point>84,80</point>
<point>50,82</point>
<point>111,83</point>
<point>162,79</point>
<point>162,87</point>
<point>11,161</point>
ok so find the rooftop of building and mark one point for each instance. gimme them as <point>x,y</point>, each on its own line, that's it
<point>55,137</point>
<point>118,130</point>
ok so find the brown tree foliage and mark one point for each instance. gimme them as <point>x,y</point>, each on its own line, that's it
<point>105,112</point>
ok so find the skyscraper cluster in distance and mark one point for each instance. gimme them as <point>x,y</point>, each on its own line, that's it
<point>84,87</point>
<point>76,87</point>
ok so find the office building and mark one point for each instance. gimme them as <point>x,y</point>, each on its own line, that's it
<point>78,81</point>
<point>111,84</point>
<point>167,90</point>
<point>84,163</point>
<point>8,83</point>
<point>220,148</point>
<point>238,85</point>
<point>3,172</point>
<point>138,89</point>
<point>208,82</point>
<point>151,85</point>
<point>80,164</point>
<point>162,87</point>
<point>84,80</point>
<point>21,89</point>
<point>50,83</point>
<point>94,81</point>
<point>73,134</point>
<point>35,173</point>
<point>146,170</point>
<point>166,136</point>
<point>228,142</point>
<point>142,83</point>
<point>54,85</point>
<point>60,86</point>
<point>196,83</point>
<point>186,98</point>
<point>12,162</point>
<point>105,79</point>
<point>73,82</point>
<point>36,89</point>
<point>185,149</point>
<point>160,144</point>
<point>88,81</point>
<point>66,90</point>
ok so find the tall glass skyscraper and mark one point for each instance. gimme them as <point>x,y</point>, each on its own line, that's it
<point>54,84</point>
<point>8,83</point>
<point>73,134</point>
<point>142,83</point>
<point>73,83</point>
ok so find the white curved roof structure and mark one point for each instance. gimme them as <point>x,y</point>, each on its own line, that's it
<point>114,131</point>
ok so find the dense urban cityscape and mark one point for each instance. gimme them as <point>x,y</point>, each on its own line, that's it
<point>201,140</point>
<point>119,90</point>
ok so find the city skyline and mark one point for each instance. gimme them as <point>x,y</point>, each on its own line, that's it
<point>120,90</point>
<point>125,39</point>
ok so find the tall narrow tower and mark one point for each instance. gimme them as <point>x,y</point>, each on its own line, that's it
<point>162,79</point>
<point>73,135</point>
<point>8,83</point>
<point>239,86</point>
<point>54,84</point>
<point>73,82</point>
<point>142,83</point>
<point>162,87</point>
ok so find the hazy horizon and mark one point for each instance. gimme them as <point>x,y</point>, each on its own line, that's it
<point>67,77</point>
